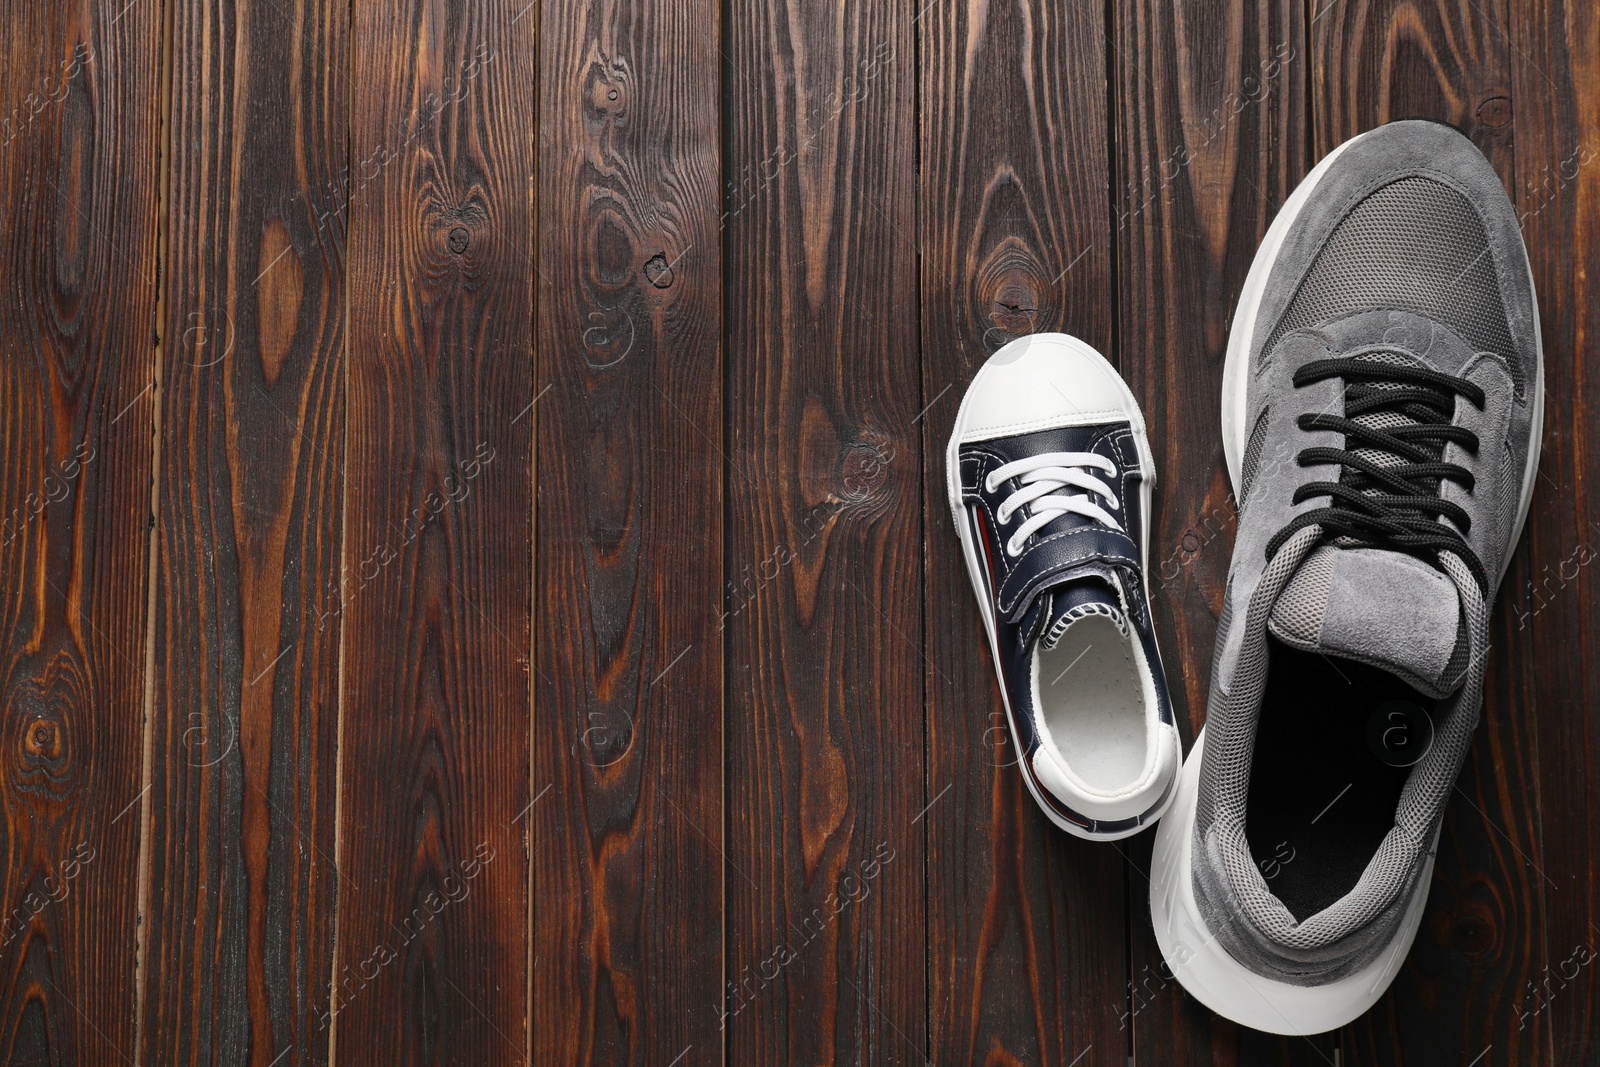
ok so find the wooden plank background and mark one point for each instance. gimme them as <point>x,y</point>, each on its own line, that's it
<point>432,956</point>
<point>239,904</point>
<point>80,242</point>
<point>629,871</point>
<point>1027,926</point>
<point>475,579</point>
<point>1212,142</point>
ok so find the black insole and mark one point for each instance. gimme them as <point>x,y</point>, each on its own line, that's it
<point>1322,795</point>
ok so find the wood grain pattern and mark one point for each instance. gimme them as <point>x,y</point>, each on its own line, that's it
<point>628,925</point>
<point>1211,113</point>
<point>1550,598</point>
<point>1212,142</point>
<point>432,958</point>
<point>1380,60</point>
<point>240,898</point>
<point>825,912</point>
<point>272,562</point>
<point>80,170</point>
<point>1482,937</point>
<point>1026,946</point>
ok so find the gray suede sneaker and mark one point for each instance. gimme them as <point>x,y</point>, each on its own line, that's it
<point>1381,415</point>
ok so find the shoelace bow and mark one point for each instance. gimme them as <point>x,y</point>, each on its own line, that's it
<point>1391,505</point>
<point>1043,477</point>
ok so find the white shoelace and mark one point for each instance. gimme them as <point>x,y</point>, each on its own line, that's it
<point>1043,476</point>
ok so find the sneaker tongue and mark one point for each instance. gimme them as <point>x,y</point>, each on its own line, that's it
<point>1379,607</point>
<point>1090,590</point>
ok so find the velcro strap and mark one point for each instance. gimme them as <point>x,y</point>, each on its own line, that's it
<point>1056,556</point>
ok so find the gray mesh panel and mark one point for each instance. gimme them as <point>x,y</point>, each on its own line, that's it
<point>1252,455</point>
<point>1508,495</point>
<point>1297,616</point>
<point>1453,671</point>
<point>1414,244</point>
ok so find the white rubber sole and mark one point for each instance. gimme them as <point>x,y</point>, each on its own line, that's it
<point>1221,983</point>
<point>1201,966</point>
<point>952,467</point>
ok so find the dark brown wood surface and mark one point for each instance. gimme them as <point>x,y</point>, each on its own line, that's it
<point>433,952</point>
<point>80,149</point>
<point>341,724</point>
<point>825,914</point>
<point>1027,947</point>
<point>239,923</point>
<point>629,868</point>
<point>79,251</point>
<point>1551,599</point>
<point>1211,142</point>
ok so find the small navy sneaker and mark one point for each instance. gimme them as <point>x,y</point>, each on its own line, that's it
<point>1050,475</point>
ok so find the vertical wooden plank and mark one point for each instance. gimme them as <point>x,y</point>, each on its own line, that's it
<point>826,905</point>
<point>432,956</point>
<point>80,174</point>
<point>1553,594</point>
<point>1381,60</point>
<point>1026,925</point>
<point>240,898</point>
<point>628,842</point>
<point>1212,119</point>
<point>1482,937</point>
<point>1212,116</point>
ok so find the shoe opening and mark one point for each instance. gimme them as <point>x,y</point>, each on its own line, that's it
<point>1335,744</point>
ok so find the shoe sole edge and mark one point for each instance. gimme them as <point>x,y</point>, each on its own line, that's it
<point>1212,976</point>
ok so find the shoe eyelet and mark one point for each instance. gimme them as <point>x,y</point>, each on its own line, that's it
<point>1001,514</point>
<point>988,484</point>
<point>1012,548</point>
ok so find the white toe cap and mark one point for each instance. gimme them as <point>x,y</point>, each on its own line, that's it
<point>1041,382</point>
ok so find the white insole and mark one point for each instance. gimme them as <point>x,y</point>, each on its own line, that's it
<point>1092,701</point>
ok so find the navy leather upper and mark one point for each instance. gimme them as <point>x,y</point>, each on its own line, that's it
<point>1064,552</point>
